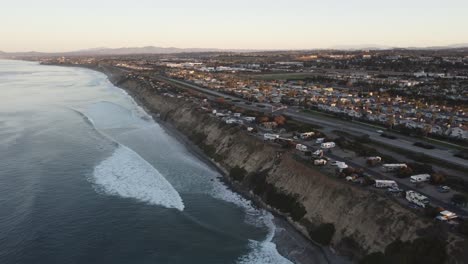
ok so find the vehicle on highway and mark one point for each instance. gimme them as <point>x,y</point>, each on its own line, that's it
<point>423,145</point>
<point>380,131</point>
<point>385,135</point>
<point>417,198</point>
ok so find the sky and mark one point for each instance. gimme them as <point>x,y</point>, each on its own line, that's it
<point>63,25</point>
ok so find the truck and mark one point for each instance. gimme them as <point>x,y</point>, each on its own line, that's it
<point>270,136</point>
<point>328,145</point>
<point>393,167</point>
<point>420,178</point>
<point>301,147</point>
<point>385,184</point>
<point>417,198</point>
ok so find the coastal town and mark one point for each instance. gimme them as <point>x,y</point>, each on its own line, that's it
<point>414,92</point>
<point>402,135</point>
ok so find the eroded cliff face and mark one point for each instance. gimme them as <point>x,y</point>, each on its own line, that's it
<point>364,222</point>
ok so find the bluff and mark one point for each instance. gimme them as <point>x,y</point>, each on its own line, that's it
<point>354,220</point>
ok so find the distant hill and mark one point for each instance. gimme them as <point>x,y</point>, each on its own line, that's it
<point>383,47</point>
<point>173,50</point>
<point>140,50</point>
<point>124,51</point>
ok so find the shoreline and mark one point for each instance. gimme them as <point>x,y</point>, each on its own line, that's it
<point>290,243</point>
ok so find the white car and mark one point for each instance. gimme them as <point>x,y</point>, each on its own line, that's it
<point>380,131</point>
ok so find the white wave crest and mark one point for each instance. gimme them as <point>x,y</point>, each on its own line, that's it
<point>264,252</point>
<point>128,175</point>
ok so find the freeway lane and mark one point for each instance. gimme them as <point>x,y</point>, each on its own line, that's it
<point>405,143</point>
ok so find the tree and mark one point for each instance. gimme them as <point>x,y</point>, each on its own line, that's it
<point>323,234</point>
<point>438,178</point>
<point>221,100</point>
<point>280,120</point>
<point>264,119</point>
<point>405,172</point>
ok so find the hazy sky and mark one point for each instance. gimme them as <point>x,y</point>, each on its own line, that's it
<point>63,25</point>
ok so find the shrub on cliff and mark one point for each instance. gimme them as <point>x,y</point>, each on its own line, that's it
<point>323,234</point>
<point>373,258</point>
<point>237,173</point>
<point>428,250</point>
<point>286,203</point>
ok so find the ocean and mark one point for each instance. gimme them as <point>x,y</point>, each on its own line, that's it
<point>86,176</point>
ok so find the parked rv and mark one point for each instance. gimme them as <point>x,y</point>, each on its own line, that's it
<point>393,167</point>
<point>385,184</point>
<point>420,178</point>
<point>417,198</point>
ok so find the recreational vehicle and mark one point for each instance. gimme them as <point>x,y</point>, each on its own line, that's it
<point>385,184</point>
<point>417,198</point>
<point>420,178</point>
<point>393,167</point>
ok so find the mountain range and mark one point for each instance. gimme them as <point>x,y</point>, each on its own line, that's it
<point>173,50</point>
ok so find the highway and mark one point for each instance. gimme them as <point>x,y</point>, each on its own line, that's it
<point>402,142</point>
<point>352,128</point>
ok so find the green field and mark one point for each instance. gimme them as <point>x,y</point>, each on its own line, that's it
<point>281,76</point>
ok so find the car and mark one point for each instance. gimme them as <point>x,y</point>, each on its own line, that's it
<point>335,163</point>
<point>388,136</point>
<point>394,190</point>
<point>443,189</point>
<point>380,131</point>
<point>424,145</point>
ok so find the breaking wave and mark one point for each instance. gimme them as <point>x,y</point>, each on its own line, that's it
<point>264,252</point>
<point>261,252</point>
<point>127,174</point>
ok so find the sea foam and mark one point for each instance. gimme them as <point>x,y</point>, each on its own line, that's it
<point>264,252</point>
<point>128,175</point>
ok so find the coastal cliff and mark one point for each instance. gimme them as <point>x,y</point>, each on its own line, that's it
<point>353,220</point>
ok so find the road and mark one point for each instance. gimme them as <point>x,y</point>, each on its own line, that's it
<point>402,142</point>
<point>378,175</point>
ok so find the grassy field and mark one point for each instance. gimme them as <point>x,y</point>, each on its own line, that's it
<point>280,76</point>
